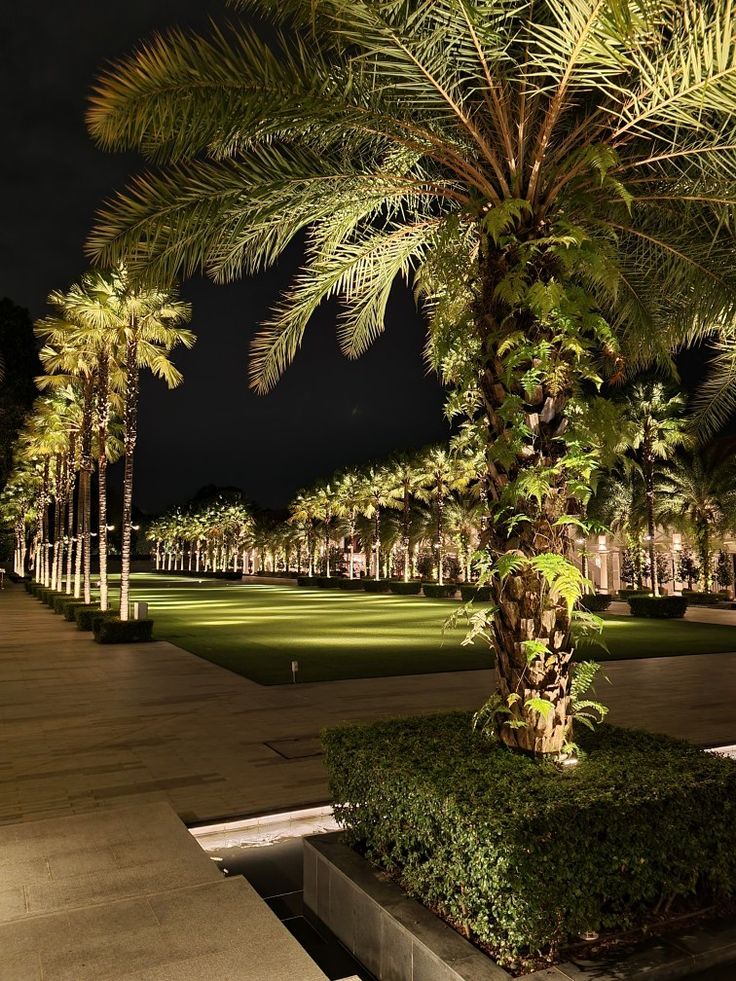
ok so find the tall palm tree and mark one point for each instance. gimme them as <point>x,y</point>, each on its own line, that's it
<point>556,178</point>
<point>347,500</point>
<point>440,473</point>
<point>404,474</point>
<point>377,491</point>
<point>698,495</point>
<point>657,430</point>
<point>145,323</point>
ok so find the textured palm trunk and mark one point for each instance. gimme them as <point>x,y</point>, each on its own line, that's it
<point>130,433</point>
<point>526,612</point>
<point>86,483</point>
<point>649,489</point>
<point>440,532</point>
<point>377,535</point>
<point>58,506</point>
<point>103,415</point>
<point>70,528</point>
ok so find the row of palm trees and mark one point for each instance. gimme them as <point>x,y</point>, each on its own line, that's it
<point>103,331</point>
<point>421,514</point>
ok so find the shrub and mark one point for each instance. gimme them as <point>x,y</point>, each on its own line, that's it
<point>350,584</point>
<point>29,584</point>
<point>59,601</point>
<point>70,608</point>
<point>626,593</point>
<point>84,615</point>
<point>695,598</point>
<point>434,591</point>
<point>49,596</point>
<point>659,607</point>
<point>377,585</point>
<point>307,581</point>
<point>595,602</point>
<point>523,854</point>
<point>470,592</point>
<point>111,630</point>
<point>230,575</point>
<point>330,582</point>
<point>411,588</point>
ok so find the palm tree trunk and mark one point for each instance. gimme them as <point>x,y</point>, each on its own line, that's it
<point>440,556</point>
<point>377,533</point>
<point>103,413</point>
<point>130,433</point>
<point>649,487</point>
<point>70,528</point>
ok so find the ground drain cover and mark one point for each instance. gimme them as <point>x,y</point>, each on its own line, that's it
<point>297,748</point>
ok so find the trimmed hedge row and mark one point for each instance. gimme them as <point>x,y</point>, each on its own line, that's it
<point>696,598</point>
<point>400,588</point>
<point>350,585</point>
<point>627,593</point>
<point>525,855</point>
<point>469,592</point>
<point>377,585</point>
<point>436,591</point>
<point>658,607</point>
<point>112,630</point>
<point>595,602</point>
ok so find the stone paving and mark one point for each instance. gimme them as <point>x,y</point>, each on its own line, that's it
<point>103,746</point>
<point>85,726</point>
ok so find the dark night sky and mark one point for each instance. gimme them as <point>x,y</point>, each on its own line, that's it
<point>326,413</point>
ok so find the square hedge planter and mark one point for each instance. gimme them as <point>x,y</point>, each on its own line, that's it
<point>85,614</point>
<point>70,607</point>
<point>111,630</point>
<point>526,855</point>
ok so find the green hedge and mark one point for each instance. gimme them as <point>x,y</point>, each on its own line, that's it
<point>377,585</point>
<point>111,630</point>
<point>522,854</point>
<point>694,598</point>
<point>70,608</point>
<point>658,607</point>
<point>84,615</point>
<point>627,593</point>
<point>434,591</point>
<point>306,581</point>
<point>411,588</point>
<point>469,592</point>
<point>350,584</point>
<point>595,602</point>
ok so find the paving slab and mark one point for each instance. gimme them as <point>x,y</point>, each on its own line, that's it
<point>86,727</point>
<point>156,907</point>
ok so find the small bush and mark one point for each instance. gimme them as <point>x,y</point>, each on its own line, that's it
<point>658,607</point>
<point>49,596</point>
<point>695,598</point>
<point>70,608</point>
<point>595,602</point>
<point>84,615</point>
<point>112,630</point>
<point>229,575</point>
<point>626,593</point>
<point>469,592</point>
<point>350,584</point>
<point>434,591</point>
<point>59,602</point>
<point>330,582</point>
<point>377,585</point>
<point>411,588</point>
<point>29,584</point>
<point>525,855</point>
<point>308,582</point>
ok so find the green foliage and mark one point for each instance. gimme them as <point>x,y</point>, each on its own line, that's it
<point>111,630</point>
<point>695,598</point>
<point>86,615</point>
<point>377,585</point>
<point>471,593</point>
<point>411,588</point>
<point>350,585</point>
<point>595,602</point>
<point>475,831</point>
<point>587,711</point>
<point>659,607</point>
<point>436,591</point>
<point>70,608</point>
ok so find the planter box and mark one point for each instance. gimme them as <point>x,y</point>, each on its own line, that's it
<point>398,939</point>
<point>110,630</point>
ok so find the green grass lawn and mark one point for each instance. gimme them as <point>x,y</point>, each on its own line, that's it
<point>257,631</point>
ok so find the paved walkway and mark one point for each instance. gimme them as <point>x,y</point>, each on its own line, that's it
<point>84,726</point>
<point>100,747</point>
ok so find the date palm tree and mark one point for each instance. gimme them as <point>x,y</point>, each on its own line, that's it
<point>698,495</point>
<point>440,474</point>
<point>657,430</point>
<point>347,500</point>
<point>144,323</point>
<point>557,180</point>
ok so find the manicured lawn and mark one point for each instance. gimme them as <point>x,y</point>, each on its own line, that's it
<point>257,631</point>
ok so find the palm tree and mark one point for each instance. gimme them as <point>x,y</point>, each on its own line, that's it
<point>347,498</point>
<point>403,472</point>
<point>698,495</point>
<point>555,178</point>
<point>377,492</point>
<point>440,473</point>
<point>657,430</point>
<point>145,325</point>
